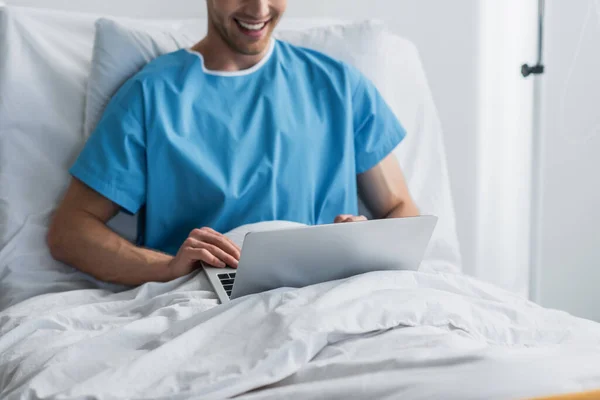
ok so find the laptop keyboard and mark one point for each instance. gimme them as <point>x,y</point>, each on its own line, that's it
<point>227,282</point>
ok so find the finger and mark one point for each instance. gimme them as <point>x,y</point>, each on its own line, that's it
<point>221,255</point>
<point>204,255</point>
<point>193,243</point>
<point>216,239</point>
<point>223,238</point>
<point>212,231</point>
<point>342,218</point>
<point>352,218</point>
<point>230,260</point>
<point>235,246</point>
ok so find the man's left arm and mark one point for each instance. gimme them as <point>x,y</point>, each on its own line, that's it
<point>384,191</point>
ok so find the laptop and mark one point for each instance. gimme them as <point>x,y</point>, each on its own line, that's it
<point>302,256</point>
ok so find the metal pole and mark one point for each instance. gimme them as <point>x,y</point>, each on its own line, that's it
<point>541,15</point>
<point>537,177</point>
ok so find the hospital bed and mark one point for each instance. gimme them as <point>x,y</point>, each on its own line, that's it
<point>429,334</point>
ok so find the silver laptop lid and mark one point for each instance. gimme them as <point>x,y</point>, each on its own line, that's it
<point>300,257</point>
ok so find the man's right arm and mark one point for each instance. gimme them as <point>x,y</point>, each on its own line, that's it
<point>78,236</point>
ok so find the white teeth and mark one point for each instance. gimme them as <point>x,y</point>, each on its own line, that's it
<point>252,27</point>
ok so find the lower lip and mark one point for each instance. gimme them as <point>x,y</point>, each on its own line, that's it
<point>251,33</point>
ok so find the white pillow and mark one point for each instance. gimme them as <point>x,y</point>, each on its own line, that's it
<point>392,64</point>
<point>44,64</point>
<point>111,52</point>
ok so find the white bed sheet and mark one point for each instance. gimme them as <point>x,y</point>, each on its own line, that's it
<point>380,335</point>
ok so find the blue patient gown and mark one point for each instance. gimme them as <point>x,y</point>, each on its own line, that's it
<point>283,140</point>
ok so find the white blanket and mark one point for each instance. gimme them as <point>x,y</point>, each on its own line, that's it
<point>379,335</point>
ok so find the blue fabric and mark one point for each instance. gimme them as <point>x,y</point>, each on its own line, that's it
<point>194,148</point>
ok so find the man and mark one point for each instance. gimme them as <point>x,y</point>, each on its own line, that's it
<point>239,129</point>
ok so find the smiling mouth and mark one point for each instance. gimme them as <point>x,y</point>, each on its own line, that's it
<point>252,28</point>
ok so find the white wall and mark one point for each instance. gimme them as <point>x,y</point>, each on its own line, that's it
<point>570,213</point>
<point>170,8</point>
<point>446,33</point>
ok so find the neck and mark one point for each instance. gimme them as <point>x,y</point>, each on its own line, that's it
<point>218,56</point>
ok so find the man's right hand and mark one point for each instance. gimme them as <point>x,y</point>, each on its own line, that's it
<point>205,245</point>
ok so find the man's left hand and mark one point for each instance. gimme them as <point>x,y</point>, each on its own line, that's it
<point>340,219</point>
